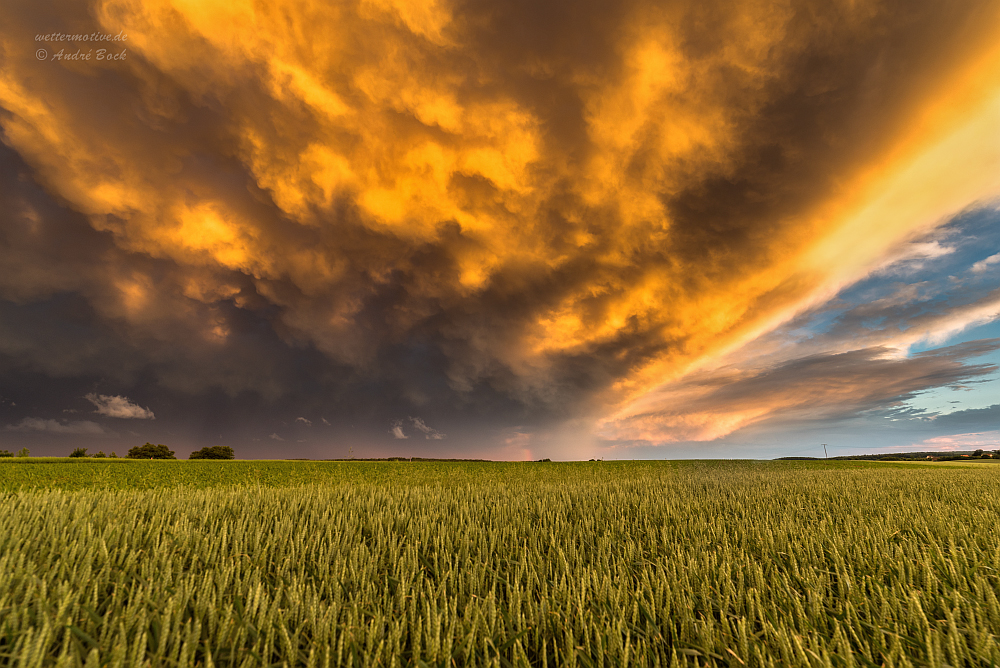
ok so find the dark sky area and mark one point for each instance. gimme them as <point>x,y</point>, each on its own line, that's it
<point>499,230</point>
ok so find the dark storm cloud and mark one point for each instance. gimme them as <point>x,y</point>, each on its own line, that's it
<point>513,213</point>
<point>58,427</point>
<point>973,419</point>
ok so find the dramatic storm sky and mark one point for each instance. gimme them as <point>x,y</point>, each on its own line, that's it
<point>500,228</point>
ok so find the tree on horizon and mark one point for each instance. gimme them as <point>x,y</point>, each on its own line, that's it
<point>150,451</point>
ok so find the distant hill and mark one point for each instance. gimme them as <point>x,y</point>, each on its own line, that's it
<point>911,456</point>
<point>399,459</point>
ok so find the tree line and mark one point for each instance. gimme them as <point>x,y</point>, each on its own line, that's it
<point>160,451</point>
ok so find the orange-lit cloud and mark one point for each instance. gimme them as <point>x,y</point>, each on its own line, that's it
<point>566,203</point>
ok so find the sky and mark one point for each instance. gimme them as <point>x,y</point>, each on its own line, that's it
<point>505,230</point>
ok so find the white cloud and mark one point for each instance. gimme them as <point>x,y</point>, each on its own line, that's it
<point>983,265</point>
<point>275,437</point>
<point>397,430</point>
<point>427,431</point>
<point>937,330</point>
<point>118,407</point>
<point>912,257</point>
<point>325,422</point>
<point>56,427</point>
<point>304,421</point>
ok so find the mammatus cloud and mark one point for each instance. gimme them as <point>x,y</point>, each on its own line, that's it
<point>55,427</point>
<point>118,407</point>
<point>547,208</point>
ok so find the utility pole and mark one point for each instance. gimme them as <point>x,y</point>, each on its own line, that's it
<point>824,451</point>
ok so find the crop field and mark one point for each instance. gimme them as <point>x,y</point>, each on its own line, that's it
<point>209,563</point>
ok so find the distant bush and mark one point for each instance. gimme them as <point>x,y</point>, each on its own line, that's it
<point>214,452</point>
<point>79,452</point>
<point>4,453</point>
<point>23,452</point>
<point>100,453</point>
<point>150,451</point>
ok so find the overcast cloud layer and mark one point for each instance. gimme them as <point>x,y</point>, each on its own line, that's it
<point>510,229</point>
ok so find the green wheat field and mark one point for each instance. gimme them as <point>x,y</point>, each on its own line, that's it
<point>248,563</point>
